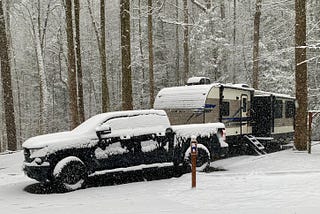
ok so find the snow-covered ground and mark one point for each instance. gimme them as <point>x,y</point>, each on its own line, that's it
<point>282,182</point>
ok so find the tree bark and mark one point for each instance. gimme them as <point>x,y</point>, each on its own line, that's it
<point>177,46</point>
<point>126,55</point>
<point>72,82</point>
<point>141,56</point>
<point>222,10</point>
<point>234,41</point>
<point>256,32</point>
<point>150,44</point>
<point>104,80</point>
<point>6,85</point>
<point>78,59</point>
<point>301,76</point>
<point>186,41</point>
<point>44,92</point>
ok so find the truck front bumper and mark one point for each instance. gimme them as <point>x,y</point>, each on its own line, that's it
<point>41,173</point>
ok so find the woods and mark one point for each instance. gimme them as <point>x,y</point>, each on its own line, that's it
<point>73,59</point>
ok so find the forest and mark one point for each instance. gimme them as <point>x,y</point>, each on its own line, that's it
<point>72,59</point>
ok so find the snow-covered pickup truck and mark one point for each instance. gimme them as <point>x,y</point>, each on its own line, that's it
<point>124,140</point>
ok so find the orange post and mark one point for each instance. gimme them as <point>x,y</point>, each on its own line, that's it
<point>310,132</point>
<point>194,152</point>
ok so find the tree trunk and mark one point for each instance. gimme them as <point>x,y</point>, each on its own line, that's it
<point>234,41</point>
<point>72,81</point>
<point>79,67</point>
<point>6,85</point>
<point>141,56</point>
<point>126,55</point>
<point>222,9</point>
<point>185,41</point>
<point>177,46</point>
<point>301,76</point>
<point>256,32</point>
<point>150,44</point>
<point>104,80</point>
<point>44,92</point>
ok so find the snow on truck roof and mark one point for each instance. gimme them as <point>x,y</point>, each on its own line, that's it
<point>91,123</point>
<point>193,96</point>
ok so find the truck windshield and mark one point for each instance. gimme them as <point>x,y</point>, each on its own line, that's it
<point>90,125</point>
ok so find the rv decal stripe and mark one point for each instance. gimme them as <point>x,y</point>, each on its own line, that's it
<point>236,119</point>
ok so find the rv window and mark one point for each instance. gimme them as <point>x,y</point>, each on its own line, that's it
<point>278,105</point>
<point>244,104</point>
<point>290,109</point>
<point>225,109</point>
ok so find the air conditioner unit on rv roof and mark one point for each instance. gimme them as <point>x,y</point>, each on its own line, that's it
<point>198,81</point>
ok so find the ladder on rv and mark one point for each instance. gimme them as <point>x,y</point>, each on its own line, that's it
<point>254,144</point>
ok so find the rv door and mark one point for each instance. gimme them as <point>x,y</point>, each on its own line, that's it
<point>244,113</point>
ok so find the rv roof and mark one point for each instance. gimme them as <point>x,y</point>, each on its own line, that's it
<point>258,93</point>
<point>193,96</point>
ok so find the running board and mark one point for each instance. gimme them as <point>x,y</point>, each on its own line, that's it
<point>255,145</point>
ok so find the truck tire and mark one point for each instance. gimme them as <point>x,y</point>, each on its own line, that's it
<point>70,174</point>
<point>203,157</point>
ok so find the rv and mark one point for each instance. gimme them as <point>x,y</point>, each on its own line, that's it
<point>273,116</point>
<point>209,103</point>
<point>256,121</point>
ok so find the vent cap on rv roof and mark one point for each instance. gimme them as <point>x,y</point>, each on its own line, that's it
<point>198,81</point>
<point>243,85</point>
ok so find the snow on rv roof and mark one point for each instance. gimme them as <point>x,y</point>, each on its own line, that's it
<point>258,93</point>
<point>193,96</point>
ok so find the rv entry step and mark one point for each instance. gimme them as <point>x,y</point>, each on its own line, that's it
<point>255,145</point>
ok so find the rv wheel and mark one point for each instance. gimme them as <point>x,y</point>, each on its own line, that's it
<point>203,158</point>
<point>70,174</point>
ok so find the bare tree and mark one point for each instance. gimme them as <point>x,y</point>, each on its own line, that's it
<point>78,59</point>
<point>256,32</point>
<point>301,76</point>
<point>6,84</point>
<point>186,41</point>
<point>177,45</point>
<point>104,85</point>
<point>126,55</point>
<point>150,45</point>
<point>101,39</point>
<point>72,79</point>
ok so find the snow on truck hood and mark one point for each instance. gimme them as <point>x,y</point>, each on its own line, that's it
<point>57,139</point>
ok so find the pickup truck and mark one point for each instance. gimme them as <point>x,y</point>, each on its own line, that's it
<point>124,140</point>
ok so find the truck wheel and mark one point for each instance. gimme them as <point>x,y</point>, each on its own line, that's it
<point>70,174</point>
<point>203,157</point>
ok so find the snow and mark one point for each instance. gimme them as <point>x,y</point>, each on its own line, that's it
<point>258,93</point>
<point>122,123</point>
<point>113,149</point>
<point>203,130</point>
<point>282,182</point>
<point>193,96</point>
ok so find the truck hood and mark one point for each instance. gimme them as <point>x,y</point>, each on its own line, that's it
<point>60,139</point>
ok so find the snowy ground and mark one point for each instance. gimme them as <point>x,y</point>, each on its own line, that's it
<point>282,182</point>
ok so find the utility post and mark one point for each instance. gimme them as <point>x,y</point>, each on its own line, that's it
<point>310,132</point>
<point>194,152</point>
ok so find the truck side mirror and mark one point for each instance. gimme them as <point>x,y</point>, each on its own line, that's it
<point>102,131</point>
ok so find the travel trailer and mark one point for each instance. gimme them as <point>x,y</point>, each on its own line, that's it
<point>246,113</point>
